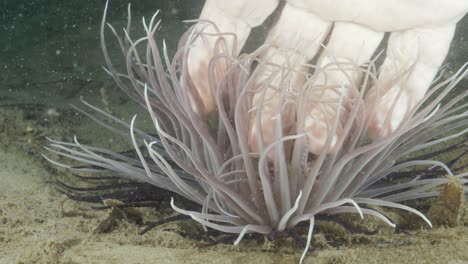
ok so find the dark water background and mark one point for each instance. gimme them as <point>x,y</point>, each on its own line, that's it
<point>50,51</point>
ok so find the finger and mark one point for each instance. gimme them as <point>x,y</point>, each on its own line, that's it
<point>349,47</point>
<point>298,33</point>
<point>412,61</point>
<point>294,40</point>
<point>236,17</point>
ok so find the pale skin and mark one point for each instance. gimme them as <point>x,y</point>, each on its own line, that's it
<point>421,33</point>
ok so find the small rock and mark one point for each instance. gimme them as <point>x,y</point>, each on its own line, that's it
<point>447,211</point>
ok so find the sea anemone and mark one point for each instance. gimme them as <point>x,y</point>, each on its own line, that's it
<point>207,159</point>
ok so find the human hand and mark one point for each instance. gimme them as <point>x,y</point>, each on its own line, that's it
<point>421,32</point>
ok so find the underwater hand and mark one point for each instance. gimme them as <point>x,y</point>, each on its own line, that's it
<point>351,30</point>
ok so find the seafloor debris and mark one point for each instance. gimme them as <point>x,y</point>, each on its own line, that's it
<point>449,208</point>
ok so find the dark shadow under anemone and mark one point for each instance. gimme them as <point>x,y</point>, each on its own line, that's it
<point>237,191</point>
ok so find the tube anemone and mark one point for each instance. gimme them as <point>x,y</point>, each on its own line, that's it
<point>208,159</point>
